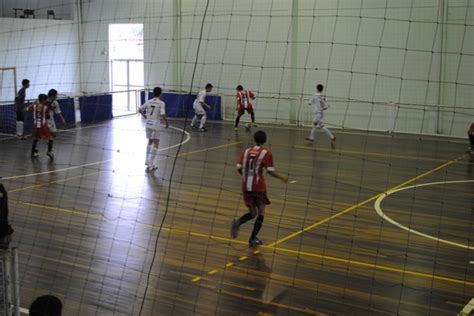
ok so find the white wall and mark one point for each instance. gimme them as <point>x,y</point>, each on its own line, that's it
<point>366,52</point>
<point>44,51</point>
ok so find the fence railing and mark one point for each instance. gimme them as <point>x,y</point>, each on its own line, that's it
<point>9,283</point>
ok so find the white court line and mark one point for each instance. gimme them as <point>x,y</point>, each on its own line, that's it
<point>188,137</point>
<point>379,210</point>
<point>466,311</point>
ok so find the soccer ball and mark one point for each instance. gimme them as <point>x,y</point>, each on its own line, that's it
<point>248,126</point>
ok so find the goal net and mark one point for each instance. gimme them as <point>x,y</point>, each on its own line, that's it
<point>7,96</point>
<point>353,230</point>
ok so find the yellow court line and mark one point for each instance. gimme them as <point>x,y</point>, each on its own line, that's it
<point>262,301</point>
<point>273,248</point>
<point>353,207</point>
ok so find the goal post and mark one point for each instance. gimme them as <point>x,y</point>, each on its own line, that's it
<point>8,90</point>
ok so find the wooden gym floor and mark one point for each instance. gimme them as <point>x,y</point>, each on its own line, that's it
<point>86,224</point>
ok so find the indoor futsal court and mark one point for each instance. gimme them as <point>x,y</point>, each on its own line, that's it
<point>366,108</point>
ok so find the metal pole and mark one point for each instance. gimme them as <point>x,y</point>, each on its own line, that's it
<point>16,282</point>
<point>14,83</point>
<point>294,80</point>
<point>128,85</point>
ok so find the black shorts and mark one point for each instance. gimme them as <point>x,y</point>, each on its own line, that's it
<point>19,116</point>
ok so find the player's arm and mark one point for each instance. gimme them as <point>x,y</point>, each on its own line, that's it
<point>252,95</point>
<point>280,176</point>
<point>323,103</point>
<point>239,168</point>
<point>240,162</point>
<point>205,104</point>
<point>271,169</point>
<point>62,118</point>
<point>165,118</point>
<point>141,110</point>
<point>28,108</point>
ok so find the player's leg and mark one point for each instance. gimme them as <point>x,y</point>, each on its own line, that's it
<point>328,132</point>
<point>52,132</point>
<point>237,120</point>
<point>194,121</point>
<point>149,146</point>
<point>50,153</point>
<point>34,151</point>
<point>312,133</point>
<point>203,121</point>
<point>154,151</point>
<point>19,124</point>
<point>262,201</point>
<point>252,212</point>
<point>252,115</point>
<point>471,141</point>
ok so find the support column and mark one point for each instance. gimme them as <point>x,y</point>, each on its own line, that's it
<point>177,65</point>
<point>294,73</point>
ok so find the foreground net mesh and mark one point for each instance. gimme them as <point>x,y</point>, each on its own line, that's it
<point>105,236</point>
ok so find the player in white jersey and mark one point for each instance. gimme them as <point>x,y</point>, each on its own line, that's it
<point>319,104</point>
<point>54,109</point>
<point>198,107</point>
<point>153,110</point>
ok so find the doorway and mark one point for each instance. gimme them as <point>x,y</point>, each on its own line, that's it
<point>126,67</point>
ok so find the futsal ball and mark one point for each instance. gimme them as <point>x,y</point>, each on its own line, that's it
<point>248,126</point>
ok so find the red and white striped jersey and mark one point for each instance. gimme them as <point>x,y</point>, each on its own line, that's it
<point>244,98</point>
<point>253,161</point>
<point>40,114</point>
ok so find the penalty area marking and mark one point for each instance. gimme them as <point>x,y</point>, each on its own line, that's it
<point>378,208</point>
<point>188,137</point>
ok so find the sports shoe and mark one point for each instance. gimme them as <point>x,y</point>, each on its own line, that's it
<point>236,129</point>
<point>203,129</point>
<point>50,154</point>
<point>193,127</point>
<point>35,154</point>
<point>254,125</point>
<point>254,242</point>
<point>234,232</point>
<point>309,139</point>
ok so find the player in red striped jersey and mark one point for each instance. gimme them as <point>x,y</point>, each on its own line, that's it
<point>244,103</point>
<point>251,165</point>
<point>40,111</point>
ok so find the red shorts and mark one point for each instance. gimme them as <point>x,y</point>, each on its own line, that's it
<point>255,199</point>
<point>242,110</point>
<point>42,132</point>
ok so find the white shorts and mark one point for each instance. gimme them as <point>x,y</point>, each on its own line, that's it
<point>198,109</point>
<point>152,133</point>
<point>52,126</point>
<point>318,119</point>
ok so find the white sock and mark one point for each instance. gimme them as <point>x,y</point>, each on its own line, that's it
<point>147,157</point>
<point>19,128</point>
<point>203,121</point>
<point>311,134</point>
<point>328,132</point>
<point>154,156</point>
<point>193,122</point>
